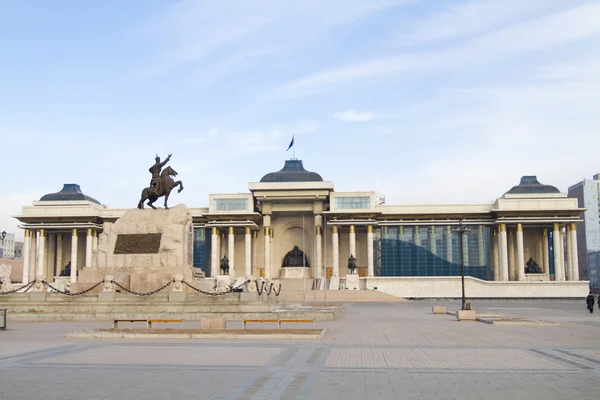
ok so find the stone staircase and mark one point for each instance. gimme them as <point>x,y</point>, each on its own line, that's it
<point>298,290</point>
<point>59,307</point>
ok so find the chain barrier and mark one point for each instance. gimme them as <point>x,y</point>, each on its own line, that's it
<point>209,293</point>
<point>277,291</point>
<point>270,289</point>
<point>26,287</point>
<point>69,293</point>
<point>139,293</point>
<point>260,288</point>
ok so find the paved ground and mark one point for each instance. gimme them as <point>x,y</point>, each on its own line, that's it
<point>375,351</point>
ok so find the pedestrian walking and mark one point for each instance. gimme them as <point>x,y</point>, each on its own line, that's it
<point>590,302</point>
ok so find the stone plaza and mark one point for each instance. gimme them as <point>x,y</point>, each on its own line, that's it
<point>379,350</point>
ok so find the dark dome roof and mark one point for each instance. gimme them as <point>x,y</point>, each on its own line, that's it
<point>69,192</point>
<point>530,185</point>
<point>292,171</point>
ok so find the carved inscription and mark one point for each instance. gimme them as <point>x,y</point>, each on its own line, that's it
<point>145,243</point>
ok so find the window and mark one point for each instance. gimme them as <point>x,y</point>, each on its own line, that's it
<point>231,204</point>
<point>353,202</point>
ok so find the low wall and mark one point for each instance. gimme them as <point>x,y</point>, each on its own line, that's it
<point>450,287</point>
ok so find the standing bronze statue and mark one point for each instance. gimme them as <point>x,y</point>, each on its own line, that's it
<point>351,265</point>
<point>161,183</point>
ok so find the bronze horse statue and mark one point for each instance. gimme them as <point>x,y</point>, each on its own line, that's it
<point>165,185</point>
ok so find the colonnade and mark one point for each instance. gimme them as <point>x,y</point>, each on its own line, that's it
<point>335,244</point>
<point>43,252</point>
<point>217,249</point>
<point>509,253</point>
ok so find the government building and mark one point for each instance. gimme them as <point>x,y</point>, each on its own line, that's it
<point>293,225</point>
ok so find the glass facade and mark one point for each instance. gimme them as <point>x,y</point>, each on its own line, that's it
<point>231,204</point>
<point>353,202</point>
<point>202,240</point>
<point>434,251</point>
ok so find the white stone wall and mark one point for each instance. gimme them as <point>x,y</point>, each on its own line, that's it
<point>434,287</point>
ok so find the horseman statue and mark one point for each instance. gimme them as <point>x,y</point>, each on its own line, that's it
<point>161,183</point>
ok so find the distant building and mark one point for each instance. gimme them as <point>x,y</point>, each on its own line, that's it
<point>18,251</point>
<point>7,246</point>
<point>588,231</point>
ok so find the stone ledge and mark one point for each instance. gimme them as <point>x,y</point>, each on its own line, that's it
<point>516,321</point>
<point>290,334</point>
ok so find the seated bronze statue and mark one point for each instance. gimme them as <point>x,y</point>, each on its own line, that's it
<point>66,271</point>
<point>531,267</point>
<point>351,265</point>
<point>295,258</point>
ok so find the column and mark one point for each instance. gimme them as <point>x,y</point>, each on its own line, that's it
<point>559,274</point>
<point>465,249</point>
<point>335,244</point>
<point>248,252</point>
<point>512,273</point>
<point>231,251</point>
<point>95,240</point>
<point>214,252</point>
<point>89,242</point>
<point>416,236</point>
<point>448,232</point>
<point>352,243</point>
<point>432,244</point>
<point>569,254</point>
<point>319,250</point>
<point>59,254</point>
<point>481,245</point>
<point>539,251</point>
<point>561,236</point>
<point>370,264</point>
<point>267,253</point>
<point>503,253</point>
<point>574,255</point>
<point>32,255</point>
<point>495,255</point>
<point>26,255</point>
<point>74,256</point>
<point>254,253</point>
<point>222,245</point>
<point>520,254</point>
<point>50,259</point>
<point>42,254</point>
<point>400,232</point>
<point>546,246</point>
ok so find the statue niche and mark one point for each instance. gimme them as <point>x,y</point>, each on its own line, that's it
<point>295,258</point>
<point>531,267</point>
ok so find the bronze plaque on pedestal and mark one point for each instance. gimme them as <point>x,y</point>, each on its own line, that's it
<point>138,243</point>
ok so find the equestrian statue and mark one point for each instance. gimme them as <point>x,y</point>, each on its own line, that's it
<point>161,183</point>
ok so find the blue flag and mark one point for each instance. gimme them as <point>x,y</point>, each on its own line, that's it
<point>291,144</point>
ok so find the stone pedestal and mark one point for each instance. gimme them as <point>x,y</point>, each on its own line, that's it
<point>107,296</point>
<point>294,273</point>
<point>439,309</point>
<point>334,283</point>
<point>465,315</point>
<point>213,323</point>
<point>177,297</point>
<point>37,296</point>
<point>352,282</point>
<point>249,296</point>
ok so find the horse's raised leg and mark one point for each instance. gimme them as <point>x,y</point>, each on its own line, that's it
<point>180,186</point>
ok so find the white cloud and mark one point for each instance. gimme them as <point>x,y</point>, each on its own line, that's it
<point>460,19</point>
<point>538,34</point>
<point>352,115</point>
<point>227,33</point>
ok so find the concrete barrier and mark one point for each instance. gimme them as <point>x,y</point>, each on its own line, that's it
<point>213,323</point>
<point>465,315</point>
<point>439,309</point>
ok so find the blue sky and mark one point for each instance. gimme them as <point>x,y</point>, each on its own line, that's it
<point>423,101</point>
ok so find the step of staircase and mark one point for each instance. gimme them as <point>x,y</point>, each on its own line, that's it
<point>321,296</point>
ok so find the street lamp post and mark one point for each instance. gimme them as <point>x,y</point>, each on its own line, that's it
<point>2,236</point>
<point>462,230</point>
